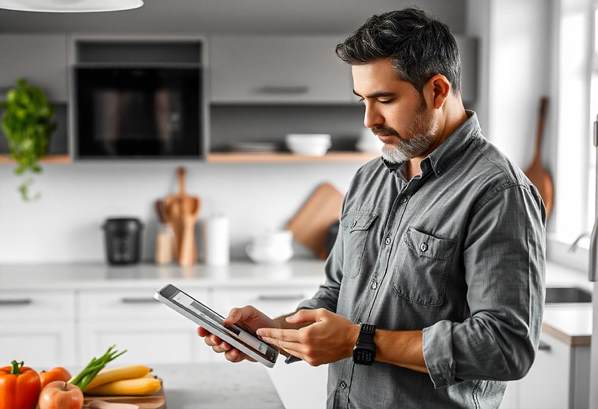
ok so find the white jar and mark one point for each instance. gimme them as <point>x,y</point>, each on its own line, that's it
<point>216,238</point>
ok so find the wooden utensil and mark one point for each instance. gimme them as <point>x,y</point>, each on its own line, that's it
<point>181,212</point>
<point>155,401</point>
<point>311,222</point>
<point>536,173</point>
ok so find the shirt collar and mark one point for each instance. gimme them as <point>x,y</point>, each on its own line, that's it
<point>441,157</point>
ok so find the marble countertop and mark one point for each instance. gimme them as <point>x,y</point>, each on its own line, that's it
<point>61,276</point>
<point>244,385</point>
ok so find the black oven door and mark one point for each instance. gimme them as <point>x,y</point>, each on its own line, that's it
<point>130,112</point>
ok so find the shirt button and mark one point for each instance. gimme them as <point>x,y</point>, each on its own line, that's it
<point>374,284</point>
<point>388,241</point>
<point>342,385</point>
<point>423,247</point>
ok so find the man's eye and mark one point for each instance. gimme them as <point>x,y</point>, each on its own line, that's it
<point>385,101</point>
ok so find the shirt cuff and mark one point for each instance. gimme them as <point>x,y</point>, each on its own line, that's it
<point>438,353</point>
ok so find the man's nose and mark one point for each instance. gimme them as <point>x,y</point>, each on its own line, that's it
<point>372,117</point>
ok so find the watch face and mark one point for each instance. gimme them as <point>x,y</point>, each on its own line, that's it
<point>363,356</point>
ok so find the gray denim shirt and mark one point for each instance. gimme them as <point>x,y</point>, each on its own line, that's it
<point>458,252</point>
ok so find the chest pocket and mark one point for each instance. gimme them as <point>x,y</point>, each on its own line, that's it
<point>357,226</point>
<point>420,274</point>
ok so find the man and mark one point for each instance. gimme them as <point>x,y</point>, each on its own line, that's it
<point>434,289</point>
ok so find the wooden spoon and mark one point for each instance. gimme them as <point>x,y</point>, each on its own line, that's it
<point>536,173</point>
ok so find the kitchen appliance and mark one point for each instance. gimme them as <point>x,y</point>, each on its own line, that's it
<point>311,224</point>
<point>137,111</point>
<point>122,237</point>
<point>308,144</point>
<point>593,277</point>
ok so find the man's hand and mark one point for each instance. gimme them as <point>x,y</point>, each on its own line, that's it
<point>329,337</point>
<point>247,317</point>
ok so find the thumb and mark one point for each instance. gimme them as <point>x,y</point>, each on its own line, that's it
<point>302,316</point>
<point>238,315</point>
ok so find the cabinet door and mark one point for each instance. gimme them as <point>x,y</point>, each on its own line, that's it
<point>547,384</point>
<point>37,327</point>
<point>278,69</point>
<point>299,385</point>
<point>39,58</point>
<point>131,319</point>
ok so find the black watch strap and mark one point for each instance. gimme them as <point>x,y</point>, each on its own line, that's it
<point>364,352</point>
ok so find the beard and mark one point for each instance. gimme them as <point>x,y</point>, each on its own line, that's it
<point>422,135</point>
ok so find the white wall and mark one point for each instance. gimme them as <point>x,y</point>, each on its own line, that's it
<point>65,224</point>
<point>514,72</point>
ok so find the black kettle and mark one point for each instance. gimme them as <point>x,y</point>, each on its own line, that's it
<point>122,240</point>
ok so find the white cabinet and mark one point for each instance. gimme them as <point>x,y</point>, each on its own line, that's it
<point>40,58</point>
<point>278,69</point>
<point>299,385</point>
<point>558,379</point>
<point>133,320</point>
<point>37,327</point>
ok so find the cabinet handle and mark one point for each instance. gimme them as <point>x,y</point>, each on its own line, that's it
<point>280,297</point>
<point>18,301</point>
<point>283,89</point>
<point>543,346</point>
<point>137,300</point>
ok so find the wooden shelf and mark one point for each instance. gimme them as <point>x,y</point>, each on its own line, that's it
<point>244,157</point>
<point>54,159</point>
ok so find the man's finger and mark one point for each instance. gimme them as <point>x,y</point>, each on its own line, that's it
<point>202,332</point>
<point>282,334</point>
<point>293,348</point>
<point>303,316</point>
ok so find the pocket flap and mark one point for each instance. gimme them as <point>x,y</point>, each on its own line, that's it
<point>426,245</point>
<point>358,220</point>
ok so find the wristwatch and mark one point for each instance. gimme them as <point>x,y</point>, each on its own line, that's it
<point>364,352</point>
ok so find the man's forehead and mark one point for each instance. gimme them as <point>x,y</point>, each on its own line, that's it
<point>378,77</point>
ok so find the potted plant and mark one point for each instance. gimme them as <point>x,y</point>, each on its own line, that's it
<point>27,124</point>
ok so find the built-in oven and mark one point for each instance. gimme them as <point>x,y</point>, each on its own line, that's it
<point>137,112</point>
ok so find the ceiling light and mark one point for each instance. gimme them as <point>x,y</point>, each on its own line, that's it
<point>70,6</point>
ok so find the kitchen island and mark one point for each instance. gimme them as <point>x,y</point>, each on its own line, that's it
<point>218,386</point>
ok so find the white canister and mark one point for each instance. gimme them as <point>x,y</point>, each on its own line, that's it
<point>216,238</point>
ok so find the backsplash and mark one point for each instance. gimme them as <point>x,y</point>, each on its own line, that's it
<point>65,224</point>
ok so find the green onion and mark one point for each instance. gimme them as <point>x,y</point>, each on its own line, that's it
<point>83,378</point>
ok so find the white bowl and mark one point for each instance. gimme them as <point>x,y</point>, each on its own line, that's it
<point>308,144</point>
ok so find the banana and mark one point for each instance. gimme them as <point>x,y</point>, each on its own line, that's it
<point>129,387</point>
<point>117,374</point>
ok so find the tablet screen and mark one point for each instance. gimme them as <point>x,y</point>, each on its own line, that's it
<point>210,316</point>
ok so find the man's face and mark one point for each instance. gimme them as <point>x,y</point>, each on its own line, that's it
<point>395,111</point>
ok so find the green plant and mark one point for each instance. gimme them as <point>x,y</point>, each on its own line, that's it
<point>28,124</point>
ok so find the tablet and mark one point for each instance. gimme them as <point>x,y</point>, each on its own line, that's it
<point>201,314</point>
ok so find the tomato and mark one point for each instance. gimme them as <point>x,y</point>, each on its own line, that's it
<point>54,374</point>
<point>61,395</point>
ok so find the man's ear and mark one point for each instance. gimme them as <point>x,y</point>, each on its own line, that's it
<point>436,91</point>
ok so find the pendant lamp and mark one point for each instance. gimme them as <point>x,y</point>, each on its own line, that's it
<point>70,6</point>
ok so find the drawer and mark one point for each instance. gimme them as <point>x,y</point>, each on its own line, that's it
<point>127,304</point>
<point>272,301</point>
<point>35,306</point>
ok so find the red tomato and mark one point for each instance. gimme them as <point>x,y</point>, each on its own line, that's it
<point>54,374</point>
<point>61,395</point>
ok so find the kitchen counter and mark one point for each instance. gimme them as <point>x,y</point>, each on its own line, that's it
<point>65,276</point>
<point>570,323</point>
<point>218,386</point>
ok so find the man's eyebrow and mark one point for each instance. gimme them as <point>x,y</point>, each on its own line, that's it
<point>377,94</point>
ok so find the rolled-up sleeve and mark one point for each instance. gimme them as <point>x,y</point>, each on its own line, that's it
<point>504,261</point>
